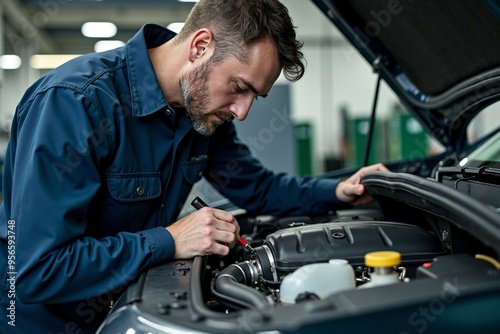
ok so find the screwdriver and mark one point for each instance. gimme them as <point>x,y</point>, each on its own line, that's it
<point>198,203</point>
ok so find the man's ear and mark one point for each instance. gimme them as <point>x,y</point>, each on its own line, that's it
<point>201,44</point>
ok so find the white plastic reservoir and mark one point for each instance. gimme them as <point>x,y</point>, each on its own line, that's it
<point>322,279</point>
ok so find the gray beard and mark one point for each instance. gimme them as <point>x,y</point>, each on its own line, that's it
<point>198,120</point>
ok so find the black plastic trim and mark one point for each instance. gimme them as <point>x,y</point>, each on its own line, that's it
<point>480,220</point>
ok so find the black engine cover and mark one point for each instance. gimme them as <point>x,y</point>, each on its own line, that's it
<point>294,247</point>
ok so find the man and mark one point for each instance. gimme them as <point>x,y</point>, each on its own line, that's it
<point>105,149</point>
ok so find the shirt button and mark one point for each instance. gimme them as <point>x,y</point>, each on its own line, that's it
<point>200,174</point>
<point>140,191</point>
<point>168,112</point>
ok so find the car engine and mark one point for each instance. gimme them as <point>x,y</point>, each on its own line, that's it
<point>286,250</point>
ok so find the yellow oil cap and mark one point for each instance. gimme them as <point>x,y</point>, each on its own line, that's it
<point>382,259</point>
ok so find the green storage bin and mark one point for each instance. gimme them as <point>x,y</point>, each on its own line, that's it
<point>303,145</point>
<point>358,132</point>
<point>408,140</point>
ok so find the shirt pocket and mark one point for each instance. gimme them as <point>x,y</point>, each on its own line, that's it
<point>134,187</point>
<point>193,169</point>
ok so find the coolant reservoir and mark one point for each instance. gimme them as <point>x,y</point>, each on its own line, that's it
<point>322,279</point>
<point>382,263</point>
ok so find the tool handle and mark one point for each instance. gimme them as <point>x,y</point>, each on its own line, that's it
<point>198,203</point>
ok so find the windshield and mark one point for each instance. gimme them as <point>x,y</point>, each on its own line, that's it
<point>488,154</point>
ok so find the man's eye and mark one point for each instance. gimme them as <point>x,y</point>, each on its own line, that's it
<point>239,89</point>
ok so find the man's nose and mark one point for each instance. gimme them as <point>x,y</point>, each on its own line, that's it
<point>241,107</point>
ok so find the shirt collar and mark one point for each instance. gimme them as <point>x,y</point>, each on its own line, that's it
<point>147,96</point>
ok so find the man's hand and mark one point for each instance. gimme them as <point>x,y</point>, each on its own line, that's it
<point>206,231</point>
<point>351,191</point>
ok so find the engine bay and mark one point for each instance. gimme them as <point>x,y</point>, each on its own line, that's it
<point>311,273</point>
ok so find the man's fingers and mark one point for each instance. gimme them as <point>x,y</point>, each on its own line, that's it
<point>358,189</point>
<point>353,190</point>
<point>219,249</point>
<point>227,222</point>
<point>227,238</point>
<point>218,242</point>
<point>222,215</point>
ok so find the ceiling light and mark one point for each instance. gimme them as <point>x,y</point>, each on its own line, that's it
<point>175,26</point>
<point>107,45</point>
<point>10,62</point>
<point>99,29</point>
<point>47,62</point>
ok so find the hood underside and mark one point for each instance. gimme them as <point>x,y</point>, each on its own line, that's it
<point>441,58</point>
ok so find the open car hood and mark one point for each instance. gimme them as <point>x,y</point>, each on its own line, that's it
<point>442,58</point>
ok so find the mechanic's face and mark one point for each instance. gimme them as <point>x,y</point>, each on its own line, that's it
<point>215,93</point>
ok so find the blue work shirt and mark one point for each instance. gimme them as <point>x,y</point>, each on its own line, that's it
<point>97,166</point>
